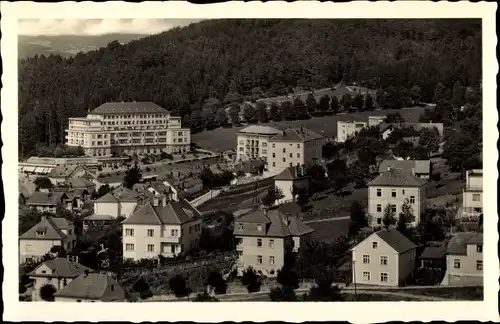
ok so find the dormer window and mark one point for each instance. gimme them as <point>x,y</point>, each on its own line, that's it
<point>479,248</point>
<point>240,227</point>
<point>40,231</point>
<point>259,228</point>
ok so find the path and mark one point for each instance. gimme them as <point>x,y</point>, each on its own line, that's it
<point>326,219</point>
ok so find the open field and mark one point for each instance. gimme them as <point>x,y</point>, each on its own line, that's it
<point>452,293</point>
<point>222,139</point>
<point>329,231</point>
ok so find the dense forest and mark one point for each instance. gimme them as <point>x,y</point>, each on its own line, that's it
<point>186,69</point>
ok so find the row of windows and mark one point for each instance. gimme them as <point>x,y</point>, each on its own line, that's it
<point>394,194</point>
<point>383,259</point>
<point>151,232</point>
<point>259,259</point>
<point>290,164</point>
<point>291,155</point>
<point>476,197</point>
<point>134,116</point>
<point>384,276</point>
<point>479,264</point>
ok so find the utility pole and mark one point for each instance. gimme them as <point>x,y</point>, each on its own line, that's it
<point>354,278</point>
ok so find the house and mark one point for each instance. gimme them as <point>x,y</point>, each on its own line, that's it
<point>162,227</point>
<point>464,260</point>
<point>472,197</point>
<point>49,232</point>
<point>92,287</point>
<point>393,187</point>
<point>375,120</point>
<point>77,197</point>
<point>112,179</point>
<point>81,183</point>
<point>25,193</point>
<point>420,168</point>
<point>262,238</point>
<point>348,128</point>
<point>58,272</point>
<point>93,220</point>
<point>121,202</point>
<point>158,188</point>
<point>60,174</point>
<point>252,142</point>
<point>48,201</point>
<point>287,179</point>
<point>433,258</point>
<point>385,258</point>
<point>191,186</point>
<point>250,167</point>
<point>387,128</point>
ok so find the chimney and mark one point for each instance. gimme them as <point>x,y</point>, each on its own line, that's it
<point>413,171</point>
<point>388,168</point>
<point>155,201</point>
<point>164,200</point>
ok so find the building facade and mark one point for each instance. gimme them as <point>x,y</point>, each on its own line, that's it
<point>131,127</point>
<point>472,205</point>
<point>464,259</point>
<point>253,142</point>
<point>288,179</point>
<point>347,129</point>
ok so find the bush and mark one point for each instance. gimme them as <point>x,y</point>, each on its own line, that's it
<point>215,280</point>
<point>288,278</point>
<point>47,292</point>
<point>205,298</point>
<point>178,285</point>
<point>282,294</point>
<point>436,176</point>
<point>251,280</point>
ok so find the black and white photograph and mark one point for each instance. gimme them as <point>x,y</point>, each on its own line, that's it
<point>248,159</point>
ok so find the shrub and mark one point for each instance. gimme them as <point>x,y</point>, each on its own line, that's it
<point>205,298</point>
<point>178,285</point>
<point>47,292</point>
<point>215,280</point>
<point>251,280</point>
<point>436,176</point>
<point>288,278</point>
<point>282,294</point>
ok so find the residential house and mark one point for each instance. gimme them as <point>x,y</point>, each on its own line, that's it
<point>420,168</point>
<point>375,120</point>
<point>81,183</point>
<point>250,167</point>
<point>464,260</point>
<point>348,128</point>
<point>94,219</point>
<point>162,227</point>
<point>60,174</point>
<point>385,258</point>
<point>112,179</point>
<point>263,237</point>
<point>433,257</point>
<point>472,205</point>
<point>48,201</point>
<point>58,272</point>
<point>92,287</point>
<point>191,186</point>
<point>294,147</point>
<point>25,193</point>
<point>158,188</point>
<point>393,187</point>
<point>287,179</point>
<point>252,142</point>
<point>387,128</point>
<point>121,202</point>
<point>49,232</point>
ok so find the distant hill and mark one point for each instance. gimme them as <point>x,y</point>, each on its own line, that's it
<point>68,45</point>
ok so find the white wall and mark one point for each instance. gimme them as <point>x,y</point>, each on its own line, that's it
<point>101,208</point>
<point>250,252</point>
<point>35,248</point>
<point>402,193</point>
<point>39,282</point>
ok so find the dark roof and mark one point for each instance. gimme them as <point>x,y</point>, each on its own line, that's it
<point>396,240</point>
<point>420,166</point>
<point>397,178</point>
<point>144,107</point>
<point>62,171</point>
<point>46,198</point>
<point>50,227</point>
<point>174,212</point>
<point>434,252</point>
<point>290,173</point>
<point>458,243</point>
<point>97,286</point>
<point>107,198</point>
<point>62,267</point>
<point>192,182</point>
<point>300,134</point>
<point>99,218</point>
<point>79,183</point>
<point>112,178</point>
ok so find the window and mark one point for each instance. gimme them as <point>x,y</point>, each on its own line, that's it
<point>477,209</point>
<point>366,258</point>
<point>271,260</point>
<point>271,244</point>
<point>479,265</point>
<point>456,263</point>
<point>129,232</point>
<point>412,199</point>
<point>274,145</point>
<point>393,193</point>
<point>190,229</point>
<point>379,192</point>
<point>284,159</point>
<point>129,247</point>
<point>384,277</point>
<point>69,231</point>
<point>393,208</point>
<point>259,242</point>
<point>379,208</point>
<point>379,220</point>
<point>274,164</point>
<point>403,191</point>
<point>259,259</point>
<point>240,227</point>
<point>479,248</point>
<point>284,150</point>
<point>274,155</point>
<point>291,155</point>
<point>151,232</point>
<point>375,245</point>
<point>151,248</point>
<point>174,232</point>
<point>366,275</point>
<point>298,145</point>
<point>383,260</point>
<point>476,197</point>
<point>259,228</point>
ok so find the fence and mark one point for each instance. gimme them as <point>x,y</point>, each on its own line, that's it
<point>206,197</point>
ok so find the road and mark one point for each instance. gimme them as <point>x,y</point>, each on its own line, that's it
<point>331,219</point>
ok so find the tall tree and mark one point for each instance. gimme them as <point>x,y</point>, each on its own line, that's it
<point>324,103</point>
<point>381,98</point>
<point>369,102</point>
<point>261,109</point>
<point>288,111</point>
<point>275,112</point>
<point>132,176</point>
<point>389,218</point>
<point>346,101</point>
<point>334,104</point>
<point>249,113</point>
<point>234,112</point>
<point>311,103</point>
<point>358,102</point>
<point>272,195</point>
<point>439,93</point>
<point>429,140</point>
<point>458,93</point>
<point>300,108</point>
<point>358,218</point>
<point>405,218</point>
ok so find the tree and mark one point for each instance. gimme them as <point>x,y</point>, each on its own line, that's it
<point>205,298</point>
<point>302,195</point>
<point>458,94</point>
<point>429,140</point>
<point>358,218</point>
<point>338,174</point>
<point>358,102</point>
<point>330,150</point>
<point>282,294</point>
<point>104,189</point>
<point>142,287</point>
<point>234,112</point>
<point>380,95</point>
<point>288,111</point>
<point>43,182</point>
<point>251,280</point>
<point>58,250</point>
<point>249,113</point>
<point>324,291</point>
<point>394,118</point>
<point>274,193</point>
<point>324,103</point>
<point>415,93</point>
<point>346,101</point>
<point>368,102</point>
<point>403,149</point>
<point>300,108</point>
<point>132,176</point>
<point>288,278</point>
<point>334,104</point>
<point>311,103</point>
<point>215,280</point>
<point>221,117</point>
<point>389,218</point>
<point>274,112</point>
<point>261,109</point>
<point>178,285</point>
<point>47,292</point>
<point>405,218</point>
<point>439,93</point>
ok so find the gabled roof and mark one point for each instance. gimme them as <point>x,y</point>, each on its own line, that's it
<point>257,129</point>
<point>144,107</point>
<point>49,226</point>
<point>290,173</point>
<point>125,194</point>
<point>62,267</point>
<point>99,218</point>
<point>79,183</point>
<point>397,178</point>
<point>297,227</point>
<point>434,252</point>
<point>174,212</point>
<point>419,166</point>
<point>107,198</point>
<point>23,190</point>
<point>62,171</point>
<point>458,243</point>
<point>95,286</point>
<point>39,198</point>
<point>295,135</point>
<point>396,240</point>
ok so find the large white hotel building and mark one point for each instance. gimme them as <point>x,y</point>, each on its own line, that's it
<point>128,127</point>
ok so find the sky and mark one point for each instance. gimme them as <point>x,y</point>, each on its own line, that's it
<point>52,27</point>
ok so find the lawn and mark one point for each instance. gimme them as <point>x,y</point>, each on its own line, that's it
<point>456,293</point>
<point>222,139</point>
<point>233,202</point>
<point>329,231</point>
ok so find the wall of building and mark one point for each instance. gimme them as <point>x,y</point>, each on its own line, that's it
<point>348,129</point>
<point>407,264</point>
<point>286,188</point>
<point>105,208</point>
<point>259,142</point>
<point>191,234</point>
<point>35,248</point>
<point>285,154</point>
<point>250,252</point>
<point>468,272</point>
<point>402,193</point>
<point>73,300</point>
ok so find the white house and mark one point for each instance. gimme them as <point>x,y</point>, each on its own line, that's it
<point>464,260</point>
<point>473,194</point>
<point>287,179</point>
<point>348,128</point>
<point>385,258</point>
<point>121,202</point>
<point>163,227</point>
<point>48,201</point>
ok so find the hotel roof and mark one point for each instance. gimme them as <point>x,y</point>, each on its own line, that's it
<point>257,129</point>
<point>300,134</point>
<point>144,107</point>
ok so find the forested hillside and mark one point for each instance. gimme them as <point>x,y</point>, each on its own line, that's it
<point>182,68</point>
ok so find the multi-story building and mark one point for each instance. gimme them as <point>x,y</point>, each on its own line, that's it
<point>385,258</point>
<point>253,142</point>
<point>128,127</point>
<point>348,128</point>
<point>420,168</point>
<point>263,237</point>
<point>375,120</point>
<point>394,187</point>
<point>473,194</point>
<point>464,259</point>
<point>163,227</point>
<point>288,179</point>
<point>294,147</point>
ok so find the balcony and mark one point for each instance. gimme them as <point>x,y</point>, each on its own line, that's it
<point>170,239</point>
